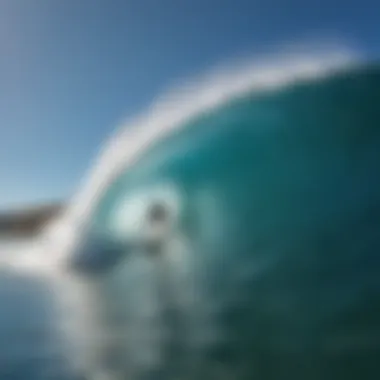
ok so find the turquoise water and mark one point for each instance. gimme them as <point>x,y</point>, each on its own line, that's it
<point>284,261</point>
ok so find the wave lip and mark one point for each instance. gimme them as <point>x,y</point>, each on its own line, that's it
<point>171,111</point>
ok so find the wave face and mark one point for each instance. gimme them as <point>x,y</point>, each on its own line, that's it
<point>172,111</point>
<point>236,236</point>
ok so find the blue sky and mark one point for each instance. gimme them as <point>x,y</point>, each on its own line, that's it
<point>71,70</point>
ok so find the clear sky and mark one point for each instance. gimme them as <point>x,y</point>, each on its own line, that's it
<point>71,70</point>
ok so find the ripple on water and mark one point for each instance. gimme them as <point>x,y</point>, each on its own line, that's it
<point>30,347</point>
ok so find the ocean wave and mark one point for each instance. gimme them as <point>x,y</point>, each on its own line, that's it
<point>171,111</point>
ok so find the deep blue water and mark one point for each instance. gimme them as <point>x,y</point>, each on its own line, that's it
<point>30,344</point>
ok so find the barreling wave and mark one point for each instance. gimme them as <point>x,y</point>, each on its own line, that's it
<point>172,111</point>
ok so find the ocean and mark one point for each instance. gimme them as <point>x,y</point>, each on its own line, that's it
<point>30,347</point>
<point>298,193</point>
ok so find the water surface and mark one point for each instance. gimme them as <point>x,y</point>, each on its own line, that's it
<point>30,347</point>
